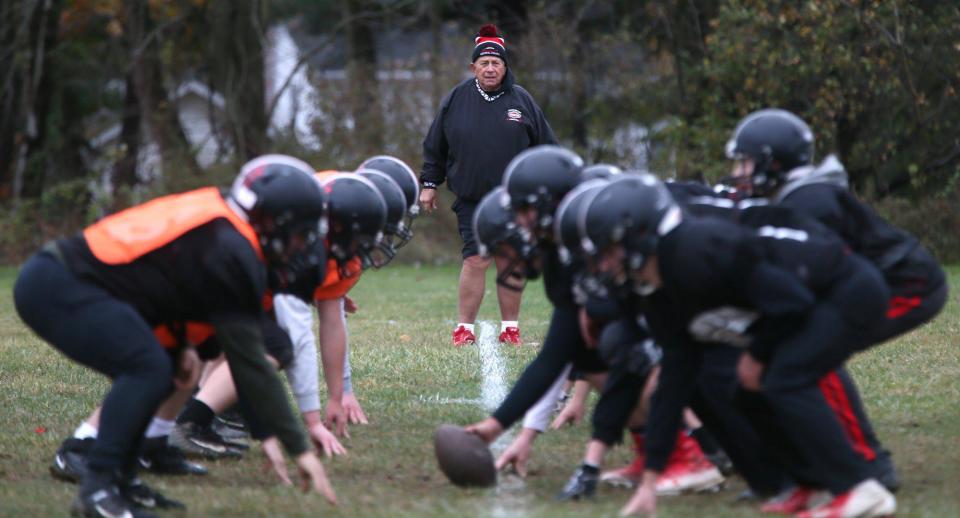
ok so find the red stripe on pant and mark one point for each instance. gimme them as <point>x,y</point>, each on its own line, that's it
<point>900,306</point>
<point>836,397</point>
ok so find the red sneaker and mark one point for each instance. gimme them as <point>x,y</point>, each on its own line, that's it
<point>628,476</point>
<point>688,470</point>
<point>794,500</point>
<point>463,336</point>
<point>867,499</point>
<point>511,335</point>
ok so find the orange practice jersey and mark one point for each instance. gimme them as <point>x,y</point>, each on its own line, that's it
<point>130,234</point>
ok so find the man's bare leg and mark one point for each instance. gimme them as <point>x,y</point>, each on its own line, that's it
<point>472,283</point>
<point>509,299</point>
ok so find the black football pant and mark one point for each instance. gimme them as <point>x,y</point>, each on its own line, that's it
<point>803,411</point>
<point>713,402</point>
<point>913,302</point>
<point>92,328</point>
<point>916,297</point>
<point>630,355</point>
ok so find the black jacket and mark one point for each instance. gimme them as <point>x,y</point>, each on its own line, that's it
<point>821,192</point>
<point>472,140</point>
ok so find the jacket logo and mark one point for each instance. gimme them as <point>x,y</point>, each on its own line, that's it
<point>514,115</point>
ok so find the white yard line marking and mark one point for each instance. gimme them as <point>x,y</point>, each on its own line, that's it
<point>510,497</point>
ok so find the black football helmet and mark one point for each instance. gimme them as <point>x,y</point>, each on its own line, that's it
<point>634,211</point>
<point>602,171</point>
<point>401,173</point>
<point>396,211</point>
<point>539,178</point>
<point>497,233</point>
<point>357,214</point>
<point>565,232</point>
<point>286,207</point>
<point>777,141</point>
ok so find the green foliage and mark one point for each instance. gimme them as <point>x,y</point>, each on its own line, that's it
<point>876,80</point>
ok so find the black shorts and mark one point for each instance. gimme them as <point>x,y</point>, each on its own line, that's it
<point>277,342</point>
<point>464,210</point>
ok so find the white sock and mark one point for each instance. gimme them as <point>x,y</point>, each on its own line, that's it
<point>468,327</point>
<point>508,323</point>
<point>159,428</point>
<point>85,431</point>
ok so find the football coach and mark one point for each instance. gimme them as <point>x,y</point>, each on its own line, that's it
<point>482,124</point>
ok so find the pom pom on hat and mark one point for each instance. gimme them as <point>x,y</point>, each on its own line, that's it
<point>489,42</point>
<point>488,30</point>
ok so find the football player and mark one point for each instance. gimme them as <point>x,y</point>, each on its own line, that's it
<point>197,256</point>
<point>794,300</point>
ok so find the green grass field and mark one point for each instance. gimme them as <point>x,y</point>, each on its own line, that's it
<point>409,379</point>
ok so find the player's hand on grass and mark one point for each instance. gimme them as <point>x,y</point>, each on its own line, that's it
<point>336,419</point>
<point>274,459</point>
<point>325,441</point>
<point>352,407</point>
<point>644,500</point>
<point>571,414</point>
<point>488,429</point>
<point>749,371</point>
<point>517,455</point>
<point>349,305</point>
<point>312,476</point>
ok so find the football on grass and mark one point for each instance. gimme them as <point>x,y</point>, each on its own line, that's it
<point>463,457</point>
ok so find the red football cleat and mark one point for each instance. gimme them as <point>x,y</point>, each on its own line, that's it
<point>794,500</point>
<point>867,499</point>
<point>688,470</point>
<point>463,336</point>
<point>628,476</point>
<point>511,335</point>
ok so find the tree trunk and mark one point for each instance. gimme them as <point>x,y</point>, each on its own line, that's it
<point>437,82</point>
<point>237,70</point>
<point>362,78</point>
<point>35,100</point>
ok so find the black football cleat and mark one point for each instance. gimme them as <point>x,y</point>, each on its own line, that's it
<point>233,437</point>
<point>158,456</point>
<point>582,484</point>
<point>138,493</point>
<point>100,497</point>
<point>232,418</point>
<point>201,442</point>
<point>70,462</point>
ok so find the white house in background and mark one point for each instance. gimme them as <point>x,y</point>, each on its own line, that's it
<point>201,112</point>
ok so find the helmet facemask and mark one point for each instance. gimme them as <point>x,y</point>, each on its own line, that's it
<point>291,250</point>
<point>280,198</point>
<point>498,235</point>
<point>522,260</point>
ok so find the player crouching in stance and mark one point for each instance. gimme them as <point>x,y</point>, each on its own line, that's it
<point>357,214</point>
<point>198,256</point>
<point>796,301</point>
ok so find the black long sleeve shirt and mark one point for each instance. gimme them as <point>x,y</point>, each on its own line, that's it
<point>472,140</point>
